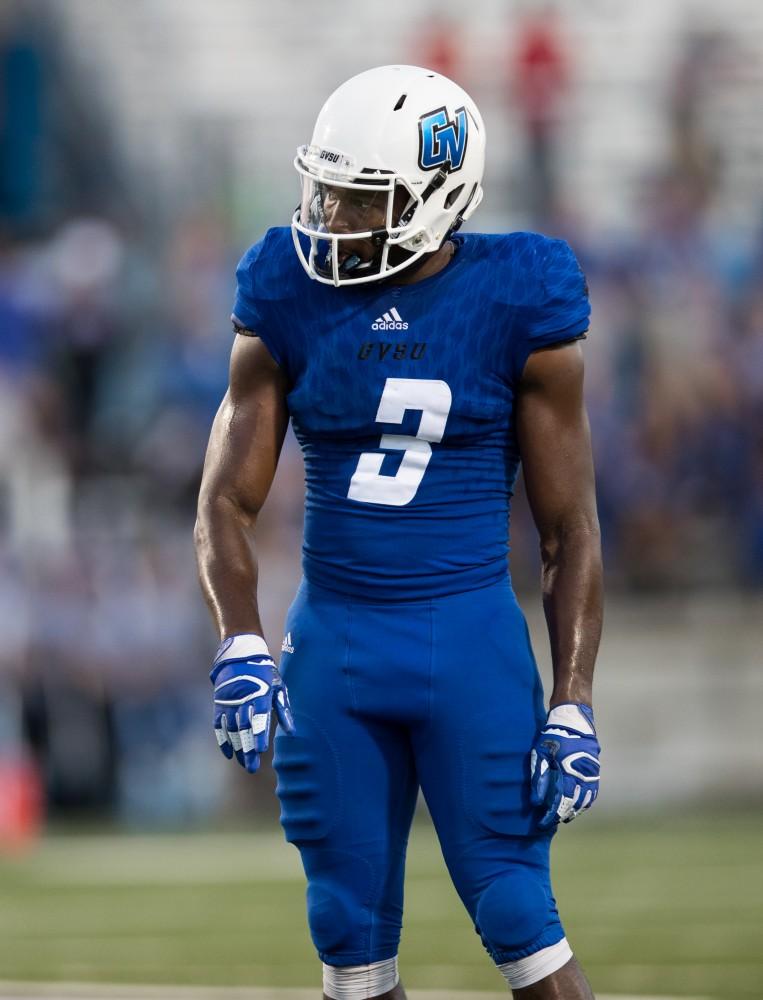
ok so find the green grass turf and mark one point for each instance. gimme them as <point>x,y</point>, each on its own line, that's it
<point>670,906</point>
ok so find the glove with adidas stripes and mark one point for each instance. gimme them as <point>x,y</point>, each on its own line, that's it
<point>247,688</point>
<point>564,764</point>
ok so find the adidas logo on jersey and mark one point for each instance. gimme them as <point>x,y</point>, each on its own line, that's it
<point>287,645</point>
<point>391,320</point>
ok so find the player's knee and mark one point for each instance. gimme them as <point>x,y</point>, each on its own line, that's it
<point>512,912</point>
<point>338,892</point>
<point>330,916</point>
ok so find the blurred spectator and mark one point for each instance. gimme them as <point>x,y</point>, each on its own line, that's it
<point>22,83</point>
<point>439,45</point>
<point>540,79</point>
<point>696,155</point>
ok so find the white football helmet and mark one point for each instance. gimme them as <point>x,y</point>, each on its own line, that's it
<point>394,167</point>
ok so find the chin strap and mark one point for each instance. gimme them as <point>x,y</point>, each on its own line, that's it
<point>459,219</point>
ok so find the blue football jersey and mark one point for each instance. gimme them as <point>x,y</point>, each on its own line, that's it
<point>402,399</point>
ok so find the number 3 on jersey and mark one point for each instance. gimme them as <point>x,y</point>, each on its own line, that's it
<point>434,399</point>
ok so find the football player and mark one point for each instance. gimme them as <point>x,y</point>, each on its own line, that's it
<point>418,367</point>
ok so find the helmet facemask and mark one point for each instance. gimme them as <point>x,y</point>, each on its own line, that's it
<point>357,222</point>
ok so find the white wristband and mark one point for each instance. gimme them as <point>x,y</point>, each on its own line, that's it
<point>239,647</point>
<point>570,715</point>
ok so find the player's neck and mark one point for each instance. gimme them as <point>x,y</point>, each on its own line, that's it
<point>434,263</point>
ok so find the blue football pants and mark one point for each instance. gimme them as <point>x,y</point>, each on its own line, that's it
<point>442,694</point>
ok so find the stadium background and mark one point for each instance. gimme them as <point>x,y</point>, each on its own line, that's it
<point>143,146</point>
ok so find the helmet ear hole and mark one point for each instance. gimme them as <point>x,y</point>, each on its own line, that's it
<point>453,195</point>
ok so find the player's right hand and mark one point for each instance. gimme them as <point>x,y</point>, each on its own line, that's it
<point>248,687</point>
<point>564,764</point>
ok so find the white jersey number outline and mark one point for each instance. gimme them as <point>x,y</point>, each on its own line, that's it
<point>433,398</point>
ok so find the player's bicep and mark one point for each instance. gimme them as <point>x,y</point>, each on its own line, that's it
<point>248,430</point>
<point>555,442</point>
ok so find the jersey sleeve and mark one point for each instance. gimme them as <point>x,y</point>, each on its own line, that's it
<point>561,311</point>
<point>253,307</point>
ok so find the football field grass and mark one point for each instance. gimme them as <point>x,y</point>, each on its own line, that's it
<point>673,906</point>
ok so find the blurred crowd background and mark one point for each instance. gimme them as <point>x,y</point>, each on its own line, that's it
<point>144,146</point>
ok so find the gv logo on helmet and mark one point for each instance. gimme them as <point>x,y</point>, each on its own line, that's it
<point>442,141</point>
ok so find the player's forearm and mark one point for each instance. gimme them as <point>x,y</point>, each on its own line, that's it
<point>573,604</point>
<point>224,539</point>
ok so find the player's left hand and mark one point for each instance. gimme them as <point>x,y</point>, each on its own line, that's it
<point>248,687</point>
<point>564,764</point>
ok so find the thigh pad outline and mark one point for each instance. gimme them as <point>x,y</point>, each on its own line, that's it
<point>308,787</point>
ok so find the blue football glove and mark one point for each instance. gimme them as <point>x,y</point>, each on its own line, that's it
<point>247,688</point>
<point>564,764</point>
